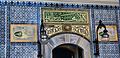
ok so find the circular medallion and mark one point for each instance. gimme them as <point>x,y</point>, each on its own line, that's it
<point>67,28</point>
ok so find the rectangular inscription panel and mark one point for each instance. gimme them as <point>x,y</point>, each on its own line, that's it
<point>66,16</point>
<point>112,31</point>
<point>23,33</point>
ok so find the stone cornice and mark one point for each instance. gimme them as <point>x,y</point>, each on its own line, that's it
<point>99,2</point>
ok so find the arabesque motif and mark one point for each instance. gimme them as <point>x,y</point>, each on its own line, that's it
<point>66,20</point>
<point>79,29</point>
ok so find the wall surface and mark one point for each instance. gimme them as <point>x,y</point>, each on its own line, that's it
<point>30,13</point>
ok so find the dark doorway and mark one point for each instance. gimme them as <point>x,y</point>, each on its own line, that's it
<point>67,51</point>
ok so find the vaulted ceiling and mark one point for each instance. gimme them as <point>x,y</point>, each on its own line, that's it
<point>101,2</point>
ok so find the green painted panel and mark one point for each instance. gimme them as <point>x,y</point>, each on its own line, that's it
<point>65,16</point>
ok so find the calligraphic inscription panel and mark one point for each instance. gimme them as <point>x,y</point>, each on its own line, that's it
<point>23,33</point>
<point>66,16</point>
<point>112,31</point>
<point>66,20</point>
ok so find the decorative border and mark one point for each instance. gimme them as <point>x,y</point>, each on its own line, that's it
<point>58,5</point>
<point>23,33</point>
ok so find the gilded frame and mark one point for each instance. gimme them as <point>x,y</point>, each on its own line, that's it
<point>48,19</point>
<point>112,31</point>
<point>23,32</point>
<point>84,12</point>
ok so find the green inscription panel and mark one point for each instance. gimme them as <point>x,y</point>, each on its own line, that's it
<point>65,16</point>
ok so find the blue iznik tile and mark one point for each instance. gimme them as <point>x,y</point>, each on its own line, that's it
<point>109,50</point>
<point>2,31</point>
<point>29,13</point>
<point>23,14</point>
<point>107,16</point>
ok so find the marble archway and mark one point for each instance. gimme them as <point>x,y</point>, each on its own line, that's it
<point>67,39</point>
<point>67,51</point>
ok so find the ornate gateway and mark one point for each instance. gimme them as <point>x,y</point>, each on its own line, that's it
<point>66,20</point>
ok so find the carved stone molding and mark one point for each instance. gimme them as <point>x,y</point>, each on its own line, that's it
<point>79,29</point>
<point>82,30</point>
<point>53,29</point>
